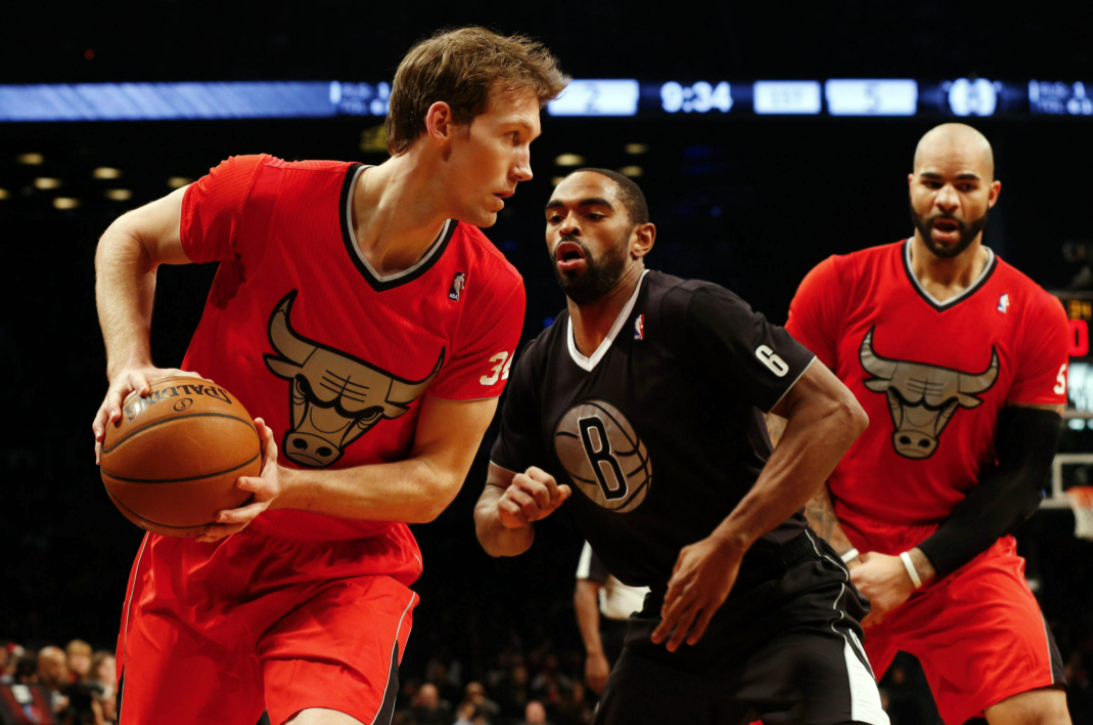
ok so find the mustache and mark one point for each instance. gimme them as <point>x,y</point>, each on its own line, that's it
<point>575,240</point>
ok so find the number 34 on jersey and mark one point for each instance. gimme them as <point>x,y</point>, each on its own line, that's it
<point>503,362</point>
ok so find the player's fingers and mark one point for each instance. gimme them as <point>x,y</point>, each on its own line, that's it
<point>139,382</point>
<point>536,490</point>
<point>242,515</point>
<point>262,488</point>
<point>98,453</point>
<point>512,516</point>
<point>686,618</point>
<point>564,492</point>
<point>700,625</point>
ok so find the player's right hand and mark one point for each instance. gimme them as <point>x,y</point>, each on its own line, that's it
<point>596,672</point>
<point>531,496</point>
<point>125,382</point>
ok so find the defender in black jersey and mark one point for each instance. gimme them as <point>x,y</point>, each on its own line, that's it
<point>643,407</point>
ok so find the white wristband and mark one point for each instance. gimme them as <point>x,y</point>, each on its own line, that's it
<point>849,556</point>
<point>911,571</point>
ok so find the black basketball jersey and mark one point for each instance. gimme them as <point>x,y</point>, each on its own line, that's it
<point>660,432</point>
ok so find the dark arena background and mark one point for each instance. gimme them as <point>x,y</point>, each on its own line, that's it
<point>759,146</point>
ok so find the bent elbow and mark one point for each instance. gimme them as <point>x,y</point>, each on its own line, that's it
<point>850,412</point>
<point>438,498</point>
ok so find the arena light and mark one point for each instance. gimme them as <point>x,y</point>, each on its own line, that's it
<point>30,159</point>
<point>65,202</point>
<point>119,194</point>
<point>636,148</point>
<point>557,180</point>
<point>4,194</point>
<point>177,182</point>
<point>569,160</point>
<point>631,171</point>
<point>46,182</point>
<point>105,172</point>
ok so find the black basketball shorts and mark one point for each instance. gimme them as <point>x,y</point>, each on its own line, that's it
<point>786,650</point>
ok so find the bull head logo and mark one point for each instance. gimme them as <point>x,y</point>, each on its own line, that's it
<point>922,398</point>
<point>335,398</point>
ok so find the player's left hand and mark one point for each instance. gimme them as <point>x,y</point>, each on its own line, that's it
<point>883,580</point>
<point>701,580</point>
<point>265,488</point>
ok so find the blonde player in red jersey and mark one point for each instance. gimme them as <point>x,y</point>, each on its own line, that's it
<point>960,362</point>
<point>368,321</point>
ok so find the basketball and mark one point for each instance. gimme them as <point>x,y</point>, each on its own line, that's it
<point>604,456</point>
<point>171,462</point>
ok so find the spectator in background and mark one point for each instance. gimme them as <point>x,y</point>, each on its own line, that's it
<point>476,695</point>
<point>5,660</point>
<point>597,593</point>
<point>550,684</point>
<point>78,659</point>
<point>53,673</point>
<point>427,708</point>
<point>13,653</point>
<point>535,714</point>
<point>513,692</point>
<point>465,714</point>
<point>26,669</point>
<point>574,708</point>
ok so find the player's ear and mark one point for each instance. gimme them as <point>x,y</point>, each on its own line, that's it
<point>995,190</point>
<point>438,123</point>
<point>641,239</point>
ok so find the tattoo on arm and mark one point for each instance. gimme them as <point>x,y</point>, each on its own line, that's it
<point>821,517</point>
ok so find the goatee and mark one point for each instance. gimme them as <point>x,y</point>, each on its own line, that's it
<point>598,279</point>
<point>968,232</point>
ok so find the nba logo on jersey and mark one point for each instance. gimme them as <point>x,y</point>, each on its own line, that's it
<point>1003,303</point>
<point>639,327</point>
<point>458,284</point>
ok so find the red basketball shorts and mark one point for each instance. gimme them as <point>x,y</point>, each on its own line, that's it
<point>978,633</point>
<point>217,633</point>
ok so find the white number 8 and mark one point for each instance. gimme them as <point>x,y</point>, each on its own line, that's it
<point>500,370</point>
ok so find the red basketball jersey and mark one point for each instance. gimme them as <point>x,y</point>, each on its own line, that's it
<point>333,356</point>
<point>933,377</point>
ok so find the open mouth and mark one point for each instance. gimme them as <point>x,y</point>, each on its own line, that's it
<point>570,257</point>
<point>946,226</point>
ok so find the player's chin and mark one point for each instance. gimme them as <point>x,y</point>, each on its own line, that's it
<point>481,218</point>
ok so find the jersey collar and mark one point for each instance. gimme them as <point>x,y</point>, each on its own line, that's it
<point>588,364</point>
<point>988,270</point>
<point>379,282</point>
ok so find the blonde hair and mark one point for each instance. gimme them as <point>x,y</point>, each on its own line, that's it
<point>461,67</point>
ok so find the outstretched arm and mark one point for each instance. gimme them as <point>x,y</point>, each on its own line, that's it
<point>824,419</point>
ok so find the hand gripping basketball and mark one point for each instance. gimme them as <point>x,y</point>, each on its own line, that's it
<point>125,382</point>
<point>532,495</point>
<point>265,489</point>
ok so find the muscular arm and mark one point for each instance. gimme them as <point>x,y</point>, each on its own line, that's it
<point>415,490</point>
<point>823,420</point>
<point>819,511</point>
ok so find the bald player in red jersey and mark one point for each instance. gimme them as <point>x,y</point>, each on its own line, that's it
<point>960,361</point>
<point>369,323</point>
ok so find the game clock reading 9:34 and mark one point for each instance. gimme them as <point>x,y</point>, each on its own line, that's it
<point>698,97</point>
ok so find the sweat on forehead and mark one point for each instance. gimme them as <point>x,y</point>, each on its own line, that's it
<point>952,141</point>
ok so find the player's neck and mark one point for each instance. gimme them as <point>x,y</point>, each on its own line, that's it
<point>592,322</point>
<point>396,217</point>
<point>945,278</point>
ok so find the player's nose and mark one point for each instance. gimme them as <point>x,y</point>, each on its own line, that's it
<point>521,170</point>
<point>947,198</point>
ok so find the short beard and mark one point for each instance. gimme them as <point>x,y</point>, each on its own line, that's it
<point>600,278</point>
<point>968,232</point>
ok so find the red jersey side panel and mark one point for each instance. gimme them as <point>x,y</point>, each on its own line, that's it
<point>933,378</point>
<point>334,357</point>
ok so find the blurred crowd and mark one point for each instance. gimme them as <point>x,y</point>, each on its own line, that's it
<point>70,686</point>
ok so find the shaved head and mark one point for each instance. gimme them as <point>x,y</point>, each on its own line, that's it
<point>955,142</point>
